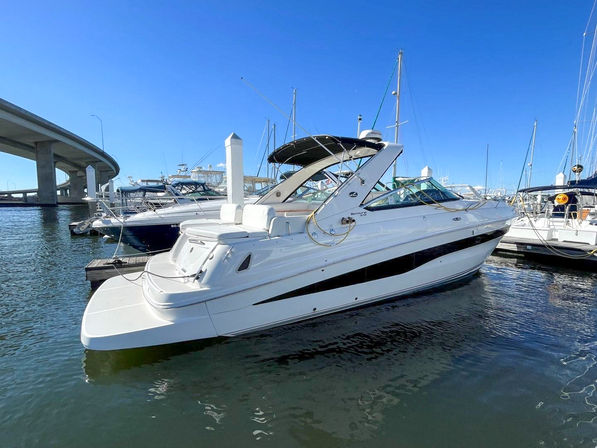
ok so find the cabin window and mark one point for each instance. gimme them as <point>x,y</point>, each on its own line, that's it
<point>245,264</point>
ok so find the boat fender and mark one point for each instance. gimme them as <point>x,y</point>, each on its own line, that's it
<point>561,199</point>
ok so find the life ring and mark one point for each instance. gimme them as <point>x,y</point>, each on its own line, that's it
<point>561,199</point>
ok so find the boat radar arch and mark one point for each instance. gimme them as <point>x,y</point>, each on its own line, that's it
<point>371,134</point>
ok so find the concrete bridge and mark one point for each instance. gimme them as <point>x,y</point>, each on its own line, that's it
<point>26,135</point>
<point>28,196</point>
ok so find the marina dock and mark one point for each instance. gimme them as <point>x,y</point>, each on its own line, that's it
<point>101,269</point>
<point>523,246</point>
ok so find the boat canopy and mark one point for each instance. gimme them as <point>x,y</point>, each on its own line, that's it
<point>307,150</point>
<point>316,177</point>
<point>193,188</point>
<point>187,182</point>
<point>588,183</point>
<point>157,188</point>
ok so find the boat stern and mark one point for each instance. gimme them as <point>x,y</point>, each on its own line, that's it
<point>118,317</point>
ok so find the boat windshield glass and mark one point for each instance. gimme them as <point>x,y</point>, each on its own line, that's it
<point>415,192</point>
<point>193,189</point>
<point>322,184</point>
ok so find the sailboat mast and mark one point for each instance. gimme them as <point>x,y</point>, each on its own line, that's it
<point>574,149</point>
<point>532,154</point>
<point>486,167</point>
<point>294,114</point>
<point>268,173</point>
<point>267,150</point>
<point>397,93</point>
<point>274,132</point>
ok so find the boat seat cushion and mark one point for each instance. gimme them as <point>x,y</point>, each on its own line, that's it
<point>286,225</point>
<point>217,232</point>
<point>258,216</point>
<point>231,213</point>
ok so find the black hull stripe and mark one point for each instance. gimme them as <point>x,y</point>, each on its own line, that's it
<point>388,268</point>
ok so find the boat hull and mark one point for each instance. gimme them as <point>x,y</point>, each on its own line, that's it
<point>134,322</point>
<point>554,241</point>
<point>149,238</point>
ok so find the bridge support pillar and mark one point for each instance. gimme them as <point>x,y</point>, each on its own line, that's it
<point>103,177</point>
<point>77,185</point>
<point>46,173</point>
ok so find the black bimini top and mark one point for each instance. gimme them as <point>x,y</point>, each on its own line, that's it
<point>156,188</point>
<point>308,150</point>
<point>588,183</point>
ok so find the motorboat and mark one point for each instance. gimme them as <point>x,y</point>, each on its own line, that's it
<point>154,224</point>
<point>556,223</point>
<point>285,259</point>
<point>157,229</point>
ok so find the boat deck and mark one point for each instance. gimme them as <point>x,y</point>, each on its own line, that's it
<point>101,269</point>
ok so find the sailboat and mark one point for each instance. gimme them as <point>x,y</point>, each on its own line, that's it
<point>558,222</point>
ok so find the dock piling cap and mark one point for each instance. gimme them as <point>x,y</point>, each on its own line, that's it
<point>233,136</point>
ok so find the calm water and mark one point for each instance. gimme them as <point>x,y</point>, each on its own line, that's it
<point>506,359</point>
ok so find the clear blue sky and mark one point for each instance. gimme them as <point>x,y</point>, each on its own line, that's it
<point>165,77</point>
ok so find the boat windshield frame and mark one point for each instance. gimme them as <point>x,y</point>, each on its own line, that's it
<point>285,189</point>
<point>411,194</point>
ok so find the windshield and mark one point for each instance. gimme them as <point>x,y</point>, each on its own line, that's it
<point>321,185</point>
<point>417,192</point>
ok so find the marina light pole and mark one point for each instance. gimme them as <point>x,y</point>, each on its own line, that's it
<point>359,119</point>
<point>101,128</point>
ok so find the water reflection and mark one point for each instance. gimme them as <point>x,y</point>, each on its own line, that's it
<point>102,366</point>
<point>360,363</point>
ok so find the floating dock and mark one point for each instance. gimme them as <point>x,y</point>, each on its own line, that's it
<point>578,252</point>
<point>99,270</point>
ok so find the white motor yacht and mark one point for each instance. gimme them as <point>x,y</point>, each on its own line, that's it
<point>152,225</point>
<point>156,229</point>
<point>283,259</point>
